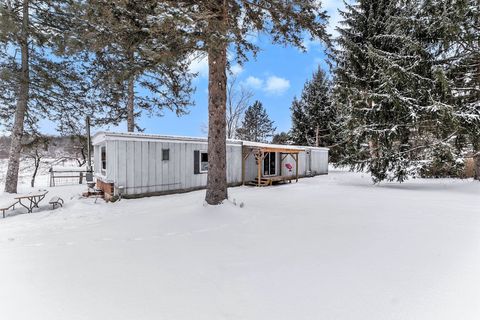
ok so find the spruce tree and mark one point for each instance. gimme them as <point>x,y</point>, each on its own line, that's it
<point>385,78</point>
<point>256,125</point>
<point>452,29</point>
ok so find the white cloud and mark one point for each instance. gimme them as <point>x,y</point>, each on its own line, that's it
<point>199,65</point>
<point>309,43</point>
<point>253,82</point>
<point>272,85</point>
<point>276,85</point>
<point>236,69</point>
<point>332,7</point>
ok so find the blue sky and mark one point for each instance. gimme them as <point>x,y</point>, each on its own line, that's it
<point>276,75</point>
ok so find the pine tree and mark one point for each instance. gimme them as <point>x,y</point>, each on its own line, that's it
<point>281,138</point>
<point>314,116</point>
<point>452,29</point>
<point>385,79</point>
<point>35,81</point>
<point>256,125</point>
<point>134,58</point>
<point>216,25</point>
<point>300,123</point>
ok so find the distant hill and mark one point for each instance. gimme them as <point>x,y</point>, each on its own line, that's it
<point>70,147</point>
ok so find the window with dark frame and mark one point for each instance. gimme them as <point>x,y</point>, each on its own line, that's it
<point>103,157</point>
<point>203,162</point>
<point>165,154</point>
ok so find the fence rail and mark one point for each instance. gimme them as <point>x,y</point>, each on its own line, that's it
<point>67,176</point>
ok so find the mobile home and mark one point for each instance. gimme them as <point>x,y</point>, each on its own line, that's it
<point>135,165</point>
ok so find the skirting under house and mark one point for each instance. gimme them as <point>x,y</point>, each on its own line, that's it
<point>136,165</point>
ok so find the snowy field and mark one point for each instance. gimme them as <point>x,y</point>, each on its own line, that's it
<point>330,247</point>
<point>43,176</point>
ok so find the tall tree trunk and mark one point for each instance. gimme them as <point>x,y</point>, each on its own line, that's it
<point>21,108</point>
<point>476,161</point>
<point>131,96</point>
<point>131,105</point>
<point>217,100</point>
<point>37,164</point>
<point>317,138</point>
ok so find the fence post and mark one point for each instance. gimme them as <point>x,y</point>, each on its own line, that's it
<point>81,178</point>
<point>52,178</point>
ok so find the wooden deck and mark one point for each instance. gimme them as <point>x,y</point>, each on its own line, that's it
<point>268,181</point>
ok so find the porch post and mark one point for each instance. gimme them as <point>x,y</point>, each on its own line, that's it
<point>243,165</point>
<point>259,169</point>
<point>281,160</point>
<point>296,167</point>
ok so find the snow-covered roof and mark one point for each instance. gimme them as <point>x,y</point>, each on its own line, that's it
<point>102,136</point>
<point>277,146</point>
<point>134,136</point>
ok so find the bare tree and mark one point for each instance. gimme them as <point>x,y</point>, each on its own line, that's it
<point>238,100</point>
<point>36,149</point>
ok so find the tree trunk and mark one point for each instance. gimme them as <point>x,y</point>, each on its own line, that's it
<point>21,108</point>
<point>131,105</point>
<point>131,95</point>
<point>476,159</point>
<point>34,175</point>
<point>217,99</point>
<point>317,138</point>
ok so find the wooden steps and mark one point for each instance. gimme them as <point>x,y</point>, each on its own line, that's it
<point>268,181</point>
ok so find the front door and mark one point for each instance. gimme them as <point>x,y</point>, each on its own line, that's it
<point>270,164</point>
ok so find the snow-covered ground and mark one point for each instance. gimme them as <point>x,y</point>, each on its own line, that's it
<point>330,247</point>
<point>43,176</point>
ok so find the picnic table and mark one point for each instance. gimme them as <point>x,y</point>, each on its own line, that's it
<point>32,200</point>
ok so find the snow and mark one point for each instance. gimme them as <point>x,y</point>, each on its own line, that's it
<point>329,247</point>
<point>104,135</point>
<point>68,169</point>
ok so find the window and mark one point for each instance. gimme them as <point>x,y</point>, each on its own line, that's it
<point>165,154</point>
<point>103,158</point>
<point>269,164</point>
<point>203,162</point>
<point>200,162</point>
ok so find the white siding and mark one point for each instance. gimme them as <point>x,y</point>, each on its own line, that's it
<point>139,168</point>
<point>137,165</point>
<point>319,161</point>
<point>111,153</point>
